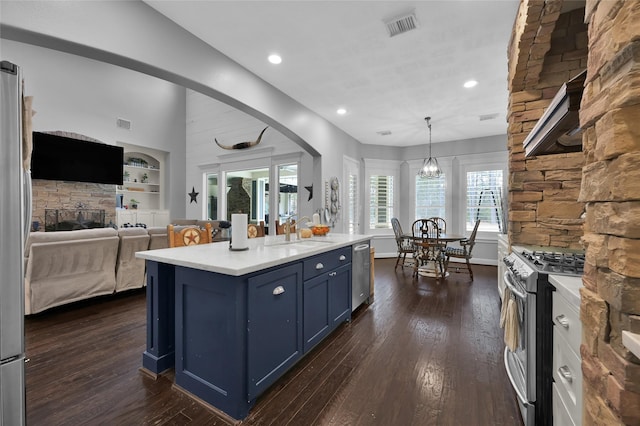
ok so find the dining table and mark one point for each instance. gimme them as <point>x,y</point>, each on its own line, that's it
<point>429,269</point>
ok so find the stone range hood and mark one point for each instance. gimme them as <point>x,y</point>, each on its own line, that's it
<point>558,130</point>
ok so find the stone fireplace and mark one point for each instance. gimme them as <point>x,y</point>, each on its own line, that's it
<point>549,194</point>
<point>56,194</point>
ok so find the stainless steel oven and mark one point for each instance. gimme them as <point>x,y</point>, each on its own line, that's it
<point>529,363</point>
<point>519,361</point>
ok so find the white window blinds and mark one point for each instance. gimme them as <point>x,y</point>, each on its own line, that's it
<point>352,204</point>
<point>381,201</point>
<point>484,200</point>
<point>430,197</point>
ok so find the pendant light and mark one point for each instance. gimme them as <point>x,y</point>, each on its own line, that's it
<point>430,168</point>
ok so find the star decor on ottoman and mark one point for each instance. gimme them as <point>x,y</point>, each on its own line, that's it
<point>194,195</point>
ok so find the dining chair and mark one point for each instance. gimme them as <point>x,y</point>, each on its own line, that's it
<point>464,252</point>
<point>442,224</point>
<point>255,230</point>
<point>280,227</point>
<point>428,247</point>
<point>404,243</point>
<point>180,236</point>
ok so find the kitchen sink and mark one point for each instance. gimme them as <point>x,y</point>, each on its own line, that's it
<point>299,244</point>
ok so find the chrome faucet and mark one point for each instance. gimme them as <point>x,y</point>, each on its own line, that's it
<point>287,229</point>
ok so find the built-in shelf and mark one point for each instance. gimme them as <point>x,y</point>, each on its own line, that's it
<point>138,166</point>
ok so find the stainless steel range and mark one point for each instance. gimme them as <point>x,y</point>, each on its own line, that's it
<point>529,363</point>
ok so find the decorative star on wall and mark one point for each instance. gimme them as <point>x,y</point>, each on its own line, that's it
<point>194,195</point>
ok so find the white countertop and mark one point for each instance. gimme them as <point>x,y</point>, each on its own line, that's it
<point>263,253</point>
<point>568,287</point>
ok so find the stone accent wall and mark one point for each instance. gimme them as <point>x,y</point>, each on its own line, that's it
<point>548,49</point>
<point>55,194</point>
<point>608,188</point>
<point>610,115</point>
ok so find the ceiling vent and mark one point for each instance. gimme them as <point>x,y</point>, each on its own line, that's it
<point>123,124</point>
<point>384,132</point>
<point>401,24</point>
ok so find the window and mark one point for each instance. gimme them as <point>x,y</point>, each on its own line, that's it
<point>352,206</point>
<point>484,200</point>
<point>430,197</point>
<point>246,193</point>
<point>288,191</point>
<point>381,201</point>
<point>351,176</point>
<point>212,196</point>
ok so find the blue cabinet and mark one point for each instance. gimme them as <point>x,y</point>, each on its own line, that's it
<point>231,337</point>
<point>326,295</point>
<point>340,295</point>
<point>316,310</point>
<point>274,326</point>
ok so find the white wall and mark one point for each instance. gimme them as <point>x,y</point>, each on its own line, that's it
<point>133,35</point>
<point>209,119</point>
<point>80,95</point>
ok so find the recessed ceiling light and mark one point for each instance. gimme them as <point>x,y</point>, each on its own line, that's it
<point>341,111</point>
<point>471,83</point>
<point>275,59</point>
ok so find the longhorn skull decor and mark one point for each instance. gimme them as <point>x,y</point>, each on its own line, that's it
<point>242,145</point>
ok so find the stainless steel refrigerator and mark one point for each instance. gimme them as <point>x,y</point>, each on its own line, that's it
<point>15,212</point>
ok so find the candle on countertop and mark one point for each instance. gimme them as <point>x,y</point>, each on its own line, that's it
<point>239,238</point>
<point>316,219</point>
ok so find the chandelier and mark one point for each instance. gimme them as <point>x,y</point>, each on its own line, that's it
<point>430,168</point>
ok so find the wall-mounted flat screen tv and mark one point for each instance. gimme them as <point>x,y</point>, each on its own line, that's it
<point>60,158</point>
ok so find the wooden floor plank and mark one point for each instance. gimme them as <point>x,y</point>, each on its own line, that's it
<point>423,353</point>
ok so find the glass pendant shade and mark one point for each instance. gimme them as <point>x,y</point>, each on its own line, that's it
<point>430,168</point>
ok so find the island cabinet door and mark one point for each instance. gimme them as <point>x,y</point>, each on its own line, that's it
<point>340,295</point>
<point>317,323</point>
<point>327,303</point>
<point>274,326</point>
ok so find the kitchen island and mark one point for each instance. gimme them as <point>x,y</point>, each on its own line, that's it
<point>232,322</point>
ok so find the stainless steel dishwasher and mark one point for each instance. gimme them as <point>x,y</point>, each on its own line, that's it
<point>360,277</point>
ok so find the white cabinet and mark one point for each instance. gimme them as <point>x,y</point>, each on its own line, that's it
<point>148,217</point>
<point>154,217</point>
<point>567,335</point>
<point>125,216</point>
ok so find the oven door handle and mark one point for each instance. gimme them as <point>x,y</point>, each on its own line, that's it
<point>521,397</point>
<point>514,290</point>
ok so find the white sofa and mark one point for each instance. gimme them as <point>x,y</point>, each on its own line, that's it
<point>130,271</point>
<point>68,266</point>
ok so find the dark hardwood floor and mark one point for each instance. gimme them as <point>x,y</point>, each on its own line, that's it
<point>423,353</point>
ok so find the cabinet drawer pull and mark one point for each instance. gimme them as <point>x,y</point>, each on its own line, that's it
<point>343,257</point>
<point>319,266</point>
<point>333,274</point>
<point>565,373</point>
<point>278,290</point>
<point>563,321</point>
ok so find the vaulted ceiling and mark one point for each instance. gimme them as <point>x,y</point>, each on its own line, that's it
<point>339,54</point>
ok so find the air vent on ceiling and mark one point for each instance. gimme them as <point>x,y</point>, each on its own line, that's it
<point>123,124</point>
<point>384,132</point>
<point>401,24</point>
<point>486,117</point>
